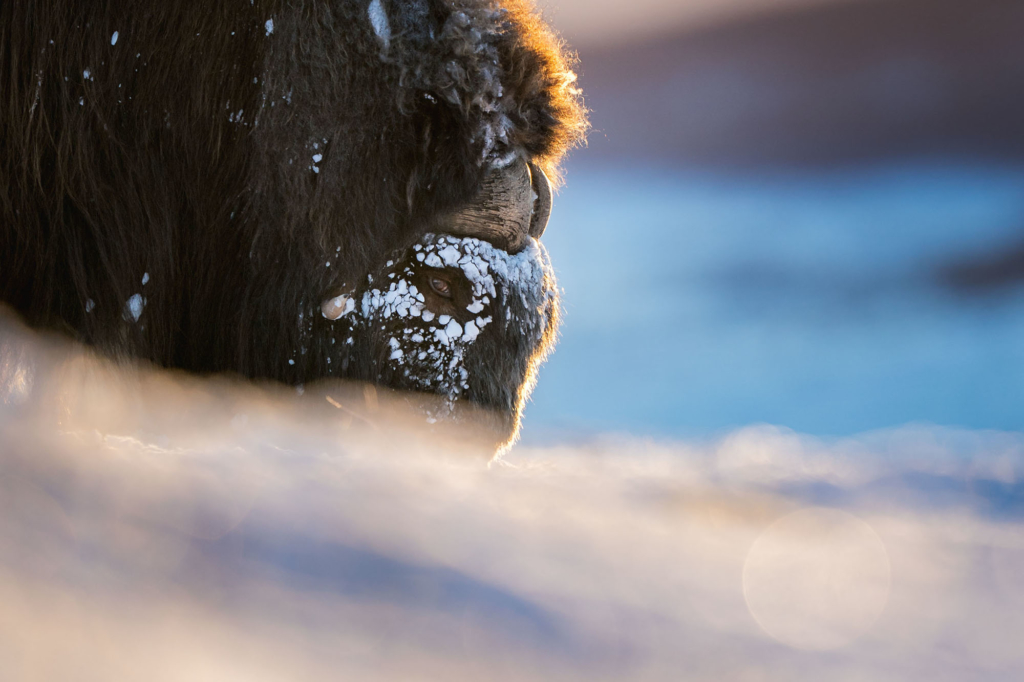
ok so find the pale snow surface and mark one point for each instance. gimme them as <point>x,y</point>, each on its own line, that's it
<point>166,527</point>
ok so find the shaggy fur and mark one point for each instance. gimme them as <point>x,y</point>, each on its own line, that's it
<point>190,191</point>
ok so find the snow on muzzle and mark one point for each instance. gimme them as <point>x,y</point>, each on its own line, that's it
<point>454,318</point>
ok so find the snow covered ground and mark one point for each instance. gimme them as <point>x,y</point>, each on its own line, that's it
<point>155,526</point>
<point>698,303</point>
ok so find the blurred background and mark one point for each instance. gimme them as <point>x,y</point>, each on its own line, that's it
<point>802,212</point>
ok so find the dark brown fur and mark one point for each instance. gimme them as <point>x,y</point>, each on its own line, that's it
<point>186,154</point>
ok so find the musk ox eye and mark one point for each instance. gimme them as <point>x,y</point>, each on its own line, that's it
<point>440,286</point>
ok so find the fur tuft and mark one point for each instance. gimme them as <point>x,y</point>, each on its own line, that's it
<point>505,72</point>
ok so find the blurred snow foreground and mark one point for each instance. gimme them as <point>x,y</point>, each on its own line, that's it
<point>163,527</point>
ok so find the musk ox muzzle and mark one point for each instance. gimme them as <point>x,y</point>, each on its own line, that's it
<point>455,318</point>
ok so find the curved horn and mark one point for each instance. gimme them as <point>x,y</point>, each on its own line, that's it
<point>542,203</point>
<point>501,214</point>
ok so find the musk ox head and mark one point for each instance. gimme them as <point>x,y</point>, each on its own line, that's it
<point>466,315</point>
<point>298,191</point>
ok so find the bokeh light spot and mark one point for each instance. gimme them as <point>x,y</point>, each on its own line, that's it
<point>817,579</point>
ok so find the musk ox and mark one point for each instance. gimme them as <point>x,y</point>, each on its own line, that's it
<point>289,190</point>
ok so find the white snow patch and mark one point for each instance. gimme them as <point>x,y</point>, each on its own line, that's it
<point>453,330</point>
<point>113,38</point>
<point>396,350</point>
<point>145,278</point>
<point>133,307</point>
<point>269,26</point>
<point>379,21</point>
<point>450,254</point>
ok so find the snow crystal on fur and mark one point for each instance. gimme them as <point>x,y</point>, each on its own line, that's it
<point>380,23</point>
